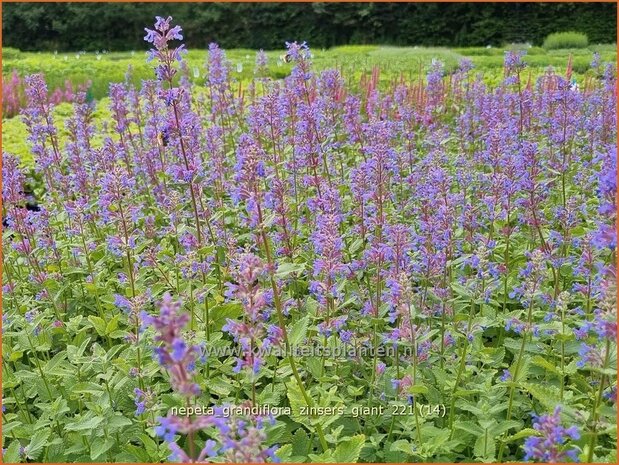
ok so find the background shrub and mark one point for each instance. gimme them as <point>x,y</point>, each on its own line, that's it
<point>566,40</point>
<point>120,26</point>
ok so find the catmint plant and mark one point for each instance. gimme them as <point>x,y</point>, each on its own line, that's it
<point>331,261</point>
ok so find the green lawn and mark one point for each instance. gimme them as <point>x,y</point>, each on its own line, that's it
<point>352,60</point>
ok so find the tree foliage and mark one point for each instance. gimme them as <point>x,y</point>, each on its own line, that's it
<point>96,26</point>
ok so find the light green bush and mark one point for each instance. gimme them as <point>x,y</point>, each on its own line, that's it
<point>10,53</point>
<point>566,40</point>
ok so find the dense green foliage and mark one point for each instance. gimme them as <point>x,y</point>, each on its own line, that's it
<point>87,26</point>
<point>560,40</point>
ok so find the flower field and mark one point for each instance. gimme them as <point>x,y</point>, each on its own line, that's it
<point>313,268</point>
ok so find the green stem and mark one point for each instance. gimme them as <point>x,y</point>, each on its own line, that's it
<point>512,391</point>
<point>282,325</point>
<point>460,371</point>
<point>596,406</point>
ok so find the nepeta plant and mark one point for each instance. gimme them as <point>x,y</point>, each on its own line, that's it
<point>372,269</point>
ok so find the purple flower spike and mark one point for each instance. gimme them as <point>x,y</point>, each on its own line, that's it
<point>550,444</point>
<point>174,354</point>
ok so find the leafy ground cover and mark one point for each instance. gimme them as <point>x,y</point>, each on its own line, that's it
<point>320,268</point>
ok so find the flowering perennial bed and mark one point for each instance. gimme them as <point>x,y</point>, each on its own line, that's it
<point>420,271</point>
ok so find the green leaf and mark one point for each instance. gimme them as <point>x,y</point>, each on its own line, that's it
<point>117,422</point>
<point>118,334</point>
<point>16,355</point>
<point>544,363</point>
<point>9,426</point>
<point>505,426</point>
<point>494,356</point>
<point>271,395</point>
<point>284,452</point>
<point>461,290</point>
<point>523,372</point>
<point>112,325</point>
<point>485,447</point>
<point>220,313</point>
<point>76,448</point>
<point>605,371</point>
<point>298,332</point>
<point>325,457</point>
<point>525,433</point>
<point>571,368</point>
<point>469,407</point>
<point>469,427</point>
<point>87,388</point>
<point>99,447</point>
<point>12,453</point>
<point>140,454</point>
<point>59,407</point>
<point>349,451</point>
<point>297,403</point>
<point>549,396</point>
<point>54,363</point>
<point>99,324</point>
<point>355,391</point>
<point>84,424</point>
<point>418,389</point>
<point>37,443</point>
<point>402,445</point>
<point>466,392</point>
<point>220,387</point>
<point>149,444</point>
<point>355,245</point>
<point>314,366</point>
<point>300,442</point>
<point>275,433</point>
<point>514,346</point>
<point>285,269</point>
